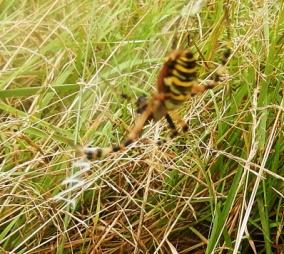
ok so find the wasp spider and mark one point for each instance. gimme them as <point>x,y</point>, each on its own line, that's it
<point>176,83</point>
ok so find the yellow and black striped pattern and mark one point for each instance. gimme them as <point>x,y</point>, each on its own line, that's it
<point>179,75</point>
<point>177,81</point>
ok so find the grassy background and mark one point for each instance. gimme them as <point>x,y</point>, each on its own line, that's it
<point>66,68</point>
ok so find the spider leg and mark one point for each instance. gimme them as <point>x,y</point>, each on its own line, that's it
<point>138,126</point>
<point>171,125</point>
<point>220,75</point>
<point>178,119</point>
<point>92,153</point>
<point>141,104</point>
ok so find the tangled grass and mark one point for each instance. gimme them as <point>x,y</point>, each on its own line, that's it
<point>71,72</point>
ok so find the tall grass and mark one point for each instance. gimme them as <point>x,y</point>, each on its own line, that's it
<point>71,72</point>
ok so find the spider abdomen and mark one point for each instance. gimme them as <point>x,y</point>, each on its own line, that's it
<point>177,77</point>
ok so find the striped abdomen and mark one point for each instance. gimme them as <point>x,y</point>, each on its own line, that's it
<point>177,77</point>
